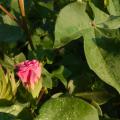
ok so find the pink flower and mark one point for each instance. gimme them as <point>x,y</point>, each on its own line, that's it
<point>29,72</point>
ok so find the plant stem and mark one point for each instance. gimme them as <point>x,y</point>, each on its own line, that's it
<point>10,15</point>
<point>24,22</point>
<point>42,92</point>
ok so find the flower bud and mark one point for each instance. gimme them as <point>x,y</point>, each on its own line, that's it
<point>29,72</point>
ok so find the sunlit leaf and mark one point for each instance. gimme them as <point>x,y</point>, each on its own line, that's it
<point>114,7</point>
<point>67,108</point>
<point>71,21</point>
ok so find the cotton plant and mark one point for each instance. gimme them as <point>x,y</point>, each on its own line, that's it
<point>59,59</point>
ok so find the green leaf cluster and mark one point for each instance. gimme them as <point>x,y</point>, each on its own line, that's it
<point>78,44</point>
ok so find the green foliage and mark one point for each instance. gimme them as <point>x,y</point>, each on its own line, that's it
<point>10,33</point>
<point>73,109</point>
<point>78,44</point>
<point>71,30</point>
<point>14,109</point>
<point>8,86</point>
<point>98,97</point>
<point>107,62</point>
<point>113,7</point>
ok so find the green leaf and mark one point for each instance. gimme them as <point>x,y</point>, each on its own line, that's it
<point>3,83</point>
<point>46,78</point>
<point>97,106</point>
<point>15,7</point>
<point>114,7</point>
<point>61,73</point>
<point>108,118</point>
<point>6,116</point>
<point>7,20</point>
<point>25,114</point>
<point>67,108</point>
<point>110,33</point>
<point>98,97</point>
<point>56,95</point>
<point>7,62</point>
<point>48,4</point>
<point>1,20</point>
<point>103,56</point>
<point>7,85</point>
<point>99,15</point>
<point>41,40</point>
<point>70,22</point>
<point>10,34</point>
<point>112,23</point>
<point>14,109</point>
<point>19,58</point>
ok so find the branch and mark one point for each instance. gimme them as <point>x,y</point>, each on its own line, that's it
<point>24,22</point>
<point>42,92</point>
<point>9,14</point>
